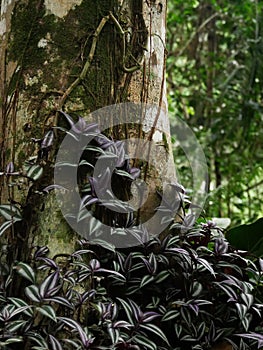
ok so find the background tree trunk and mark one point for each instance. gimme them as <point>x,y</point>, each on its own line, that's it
<point>78,56</point>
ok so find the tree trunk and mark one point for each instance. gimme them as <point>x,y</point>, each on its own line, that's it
<point>77,56</point>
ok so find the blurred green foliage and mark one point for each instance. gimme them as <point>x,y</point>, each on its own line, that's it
<point>248,237</point>
<point>215,84</point>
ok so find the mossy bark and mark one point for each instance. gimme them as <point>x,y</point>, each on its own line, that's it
<point>45,45</point>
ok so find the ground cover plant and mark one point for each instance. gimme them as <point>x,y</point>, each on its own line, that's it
<point>188,290</point>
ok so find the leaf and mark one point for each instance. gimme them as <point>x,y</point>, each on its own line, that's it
<point>114,334</point>
<point>185,314</point>
<point>178,330</point>
<point>75,325</point>
<point>228,290</point>
<point>85,201</point>
<point>145,342</point>
<point>50,285</point>
<point>6,312</point>
<point>68,118</point>
<point>55,344</point>
<point>189,220</point>
<point>113,274</point>
<point>104,244</point>
<point>48,139</point>
<point>255,336</point>
<point>94,225</point>
<point>245,322</point>
<point>149,316</point>
<point>48,311</point>
<point>122,324</point>
<point>5,226</point>
<point>60,300</point>
<point>196,288</point>
<point>94,264</point>
<point>19,310</point>
<point>153,262</point>
<point>156,330</point>
<point>12,341</point>
<point>32,293</point>
<point>248,299</point>
<point>124,174</point>
<point>46,263</point>
<point>135,173</point>
<point>20,303</point>
<point>35,172</point>
<point>170,315</point>
<point>67,164</point>
<point>136,311</point>
<point>107,155</point>
<point>94,149</point>
<point>206,264</point>
<point>242,310</point>
<point>180,251</point>
<point>118,206</point>
<point>127,309</point>
<point>79,253</point>
<point>38,339</point>
<point>71,342</point>
<point>26,271</point>
<point>53,187</point>
<point>15,325</point>
<point>162,276</point>
<point>84,162</point>
<point>74,136</point>
<point>10,168</point>
<point>146,280</point>
<point>10,212</point>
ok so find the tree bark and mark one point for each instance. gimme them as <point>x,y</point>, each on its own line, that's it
<point>77,56</point>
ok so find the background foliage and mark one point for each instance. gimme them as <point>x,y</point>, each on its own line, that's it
<point>214,73</point>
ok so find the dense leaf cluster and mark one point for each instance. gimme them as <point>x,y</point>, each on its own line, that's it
<point>189,291</point>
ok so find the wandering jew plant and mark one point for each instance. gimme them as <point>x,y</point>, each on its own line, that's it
<point>174,294</point>
<point>190,290</point>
